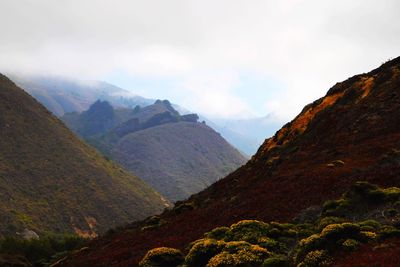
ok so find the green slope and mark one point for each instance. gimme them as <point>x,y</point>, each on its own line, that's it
<point>175,154</point>
<point>50,180</point>
<point>177,159</point>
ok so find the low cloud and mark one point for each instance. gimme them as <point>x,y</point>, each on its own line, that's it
<point>204,45</point>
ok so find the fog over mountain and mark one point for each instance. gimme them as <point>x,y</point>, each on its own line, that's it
<point>228,59</point>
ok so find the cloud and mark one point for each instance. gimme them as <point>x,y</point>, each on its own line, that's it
<point>203,46</point>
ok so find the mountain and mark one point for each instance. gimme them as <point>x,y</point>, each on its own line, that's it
<point>351,134</point>
<point>52,181</point>
<point>174,153</point>
<point>62,95</point>
<point>247,134</point>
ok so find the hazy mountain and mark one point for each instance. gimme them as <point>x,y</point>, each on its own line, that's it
<point>352,134</point>
<point>247,134</point>
<point>52,181</point>
<point>63,95</point>
<point>174,153</point>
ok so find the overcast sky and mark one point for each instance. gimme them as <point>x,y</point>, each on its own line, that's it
<point>223,58</point>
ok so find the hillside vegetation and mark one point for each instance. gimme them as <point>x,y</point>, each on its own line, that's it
<point>352,133</point>
<point>175,154</point>
<point>364,215</point>
<point>50,180</point>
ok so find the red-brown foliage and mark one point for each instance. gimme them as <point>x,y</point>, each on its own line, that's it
<point>289,173</point>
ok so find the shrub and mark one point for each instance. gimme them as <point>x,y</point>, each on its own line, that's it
<point>162,257</point>
<point>330,238</point>
<point>340,230</point>
<point>276,261</point>
<point>239,253</point>
<point>248,230</point>
<point>350,244</point>
<point>388,232</point>
<point>218,233</point>
<point>272,245</point>
<point>329,220</point>
<point>369,225</point>
<point>316,258</point>
<point>202,251</point>
<point>366,236</point>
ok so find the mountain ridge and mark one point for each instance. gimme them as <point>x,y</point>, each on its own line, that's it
<point>175,154</point>
<point>341,138</point>
<point>52,181</point>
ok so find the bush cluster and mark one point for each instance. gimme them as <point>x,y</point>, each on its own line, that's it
<point>257,243</point>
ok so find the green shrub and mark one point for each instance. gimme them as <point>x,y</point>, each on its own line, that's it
<point>276,261</point>
<point>316,258</point>
<point>336,208</point>
<point>340,230</point>
<point>330,238</point>
<point>202,251</point>
<point>272,245</point>
<point>329,220</point>
<point>218,233</point>
<point>350,244</point>
<point>389,232</point>
<point>162,257</point>
<point>248,230</point>
<point>369,225</point>
<point>239,253</point>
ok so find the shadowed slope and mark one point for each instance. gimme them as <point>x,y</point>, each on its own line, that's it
<point>50,180</point>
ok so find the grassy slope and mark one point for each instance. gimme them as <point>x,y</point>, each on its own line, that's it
<point>177,159</point>
<point>50,180</point>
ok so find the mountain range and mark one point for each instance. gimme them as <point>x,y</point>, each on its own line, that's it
<point>62,95</point>
<point>65,95</point>
<point>315,176</point>
<point>175,154</point>
<point>52,181</point>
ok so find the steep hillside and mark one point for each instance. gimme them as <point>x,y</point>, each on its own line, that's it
<point>50,180</point>
<point>175,154</point>
<point>352,134</point>
<point>366,216</point>
<point>177,159</point>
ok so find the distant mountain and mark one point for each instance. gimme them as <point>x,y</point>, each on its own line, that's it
<point>351,134</point>
<point>63,95</point>
<point>52,181</point>
<point>247,134</point>
<point>174,153</point>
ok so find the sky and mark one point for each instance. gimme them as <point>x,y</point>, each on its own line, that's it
<point>221,58</point>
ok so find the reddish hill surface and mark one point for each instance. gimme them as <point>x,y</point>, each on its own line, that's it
<point>341,138</point>
<point>386,254</point>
